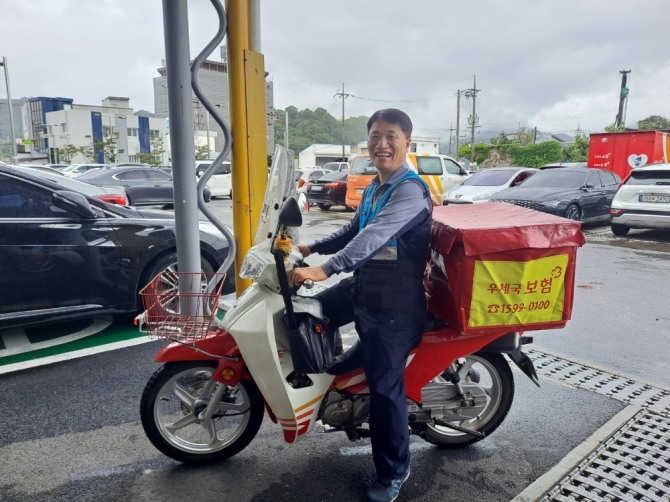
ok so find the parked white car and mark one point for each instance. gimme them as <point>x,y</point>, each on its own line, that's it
<point>643,200</point>
<point>304,176</point>
<point>484,183</point>
<point>220,183</point>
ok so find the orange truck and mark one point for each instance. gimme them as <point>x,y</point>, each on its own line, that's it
<point>440,172</point>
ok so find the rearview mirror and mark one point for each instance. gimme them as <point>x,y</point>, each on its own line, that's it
<point>290,214</point>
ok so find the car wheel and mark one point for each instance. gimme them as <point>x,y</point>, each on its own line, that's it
<point>619,230</point>
<point>207,197</point>
<point>323,206</point>
<point>167,266</point>
<point>231,194</point>
<point>573,212</point>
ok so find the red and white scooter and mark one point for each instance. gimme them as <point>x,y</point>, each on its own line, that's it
<point>207,400</point>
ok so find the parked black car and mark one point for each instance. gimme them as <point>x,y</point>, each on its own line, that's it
<point>328,190</point>
<point>577,193</point>
<point>65,255</point>
<point>145,186</point>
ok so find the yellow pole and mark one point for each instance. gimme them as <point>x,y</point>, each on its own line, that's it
<point>246,82</point>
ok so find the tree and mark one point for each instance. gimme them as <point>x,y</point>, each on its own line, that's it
<point>614,128</point>
<point>654,122</point>
<point>66,153</point>
<point>502,139</point>
<point>579,150</point>
<point>201,152</point>
<point>155,155</point>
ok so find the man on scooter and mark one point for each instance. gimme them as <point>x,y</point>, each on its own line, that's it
<point>385,246</point>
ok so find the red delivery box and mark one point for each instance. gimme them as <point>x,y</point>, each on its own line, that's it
<point>499,266</point>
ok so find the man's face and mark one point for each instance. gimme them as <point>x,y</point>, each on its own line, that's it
<point>387,146</point>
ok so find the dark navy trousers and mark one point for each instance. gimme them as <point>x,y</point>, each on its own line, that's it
<point>386,338</point>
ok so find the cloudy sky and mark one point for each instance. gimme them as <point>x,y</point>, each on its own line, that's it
<point>538,63</point>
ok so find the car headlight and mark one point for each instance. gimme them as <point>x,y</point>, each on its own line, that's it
<point>482,196</point>
<point>552,203</point>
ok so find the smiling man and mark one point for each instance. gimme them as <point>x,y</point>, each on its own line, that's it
<point>385,246</point>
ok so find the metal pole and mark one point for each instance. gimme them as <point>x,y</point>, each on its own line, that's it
<point>474,119</point>
<point>180,107</point>
<point>11,112</point>
<point>209,156</point>
<point>458,119</point>
<point>285,129</point>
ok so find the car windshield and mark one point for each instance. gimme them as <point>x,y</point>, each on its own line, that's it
<point>641,177</point>
<point>492,178</point>
<point>558,178</point>
<point>363,165</point>
<point>429,165</point>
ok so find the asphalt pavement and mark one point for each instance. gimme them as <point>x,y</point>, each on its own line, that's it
<point>597,429</point>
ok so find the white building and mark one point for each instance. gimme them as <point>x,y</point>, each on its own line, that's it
<point>84,125</point>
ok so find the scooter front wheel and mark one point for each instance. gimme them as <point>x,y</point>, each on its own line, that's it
<point>488,384</point>
<point>175,417</point>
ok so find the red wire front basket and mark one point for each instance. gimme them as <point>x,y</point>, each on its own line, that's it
<point>181,306</point>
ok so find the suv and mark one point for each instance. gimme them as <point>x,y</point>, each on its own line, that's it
<point>643,200</point>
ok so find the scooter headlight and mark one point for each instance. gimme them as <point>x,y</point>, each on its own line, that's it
<point>252,267</point>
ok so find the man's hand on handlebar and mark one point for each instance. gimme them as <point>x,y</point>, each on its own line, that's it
<point>300,274</point>
<point>304,250</point>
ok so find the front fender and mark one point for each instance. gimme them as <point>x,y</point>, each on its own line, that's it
<point>216,345</point>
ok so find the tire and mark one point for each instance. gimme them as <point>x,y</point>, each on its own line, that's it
<point>573,212</point>
<point>166,265</point>
<point>169,418</point>
<point>496,381</point>
<point>324,206</point>
<point>619,230</point>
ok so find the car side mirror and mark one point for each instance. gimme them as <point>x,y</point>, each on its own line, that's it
<point>75,203</point>
<point>290,214</point>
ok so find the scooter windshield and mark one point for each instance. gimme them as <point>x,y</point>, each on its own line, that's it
<point>281,185</point>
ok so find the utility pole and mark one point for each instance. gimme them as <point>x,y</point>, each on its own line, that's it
<point>623,96</point>
<point>11,112</point>
<point>458,119</point>
<point>343,95</point>
<point>473,119</point>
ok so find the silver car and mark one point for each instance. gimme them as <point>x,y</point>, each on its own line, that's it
<point>643,200</point>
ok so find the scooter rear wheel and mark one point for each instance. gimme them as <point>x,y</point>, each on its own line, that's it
<point>491,375</point>
<point>172,406</point>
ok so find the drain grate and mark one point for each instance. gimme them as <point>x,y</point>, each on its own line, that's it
<point>602,382</point>
<point>632,465</point>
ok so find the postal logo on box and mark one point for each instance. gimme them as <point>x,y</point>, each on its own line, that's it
<point>518,292</point>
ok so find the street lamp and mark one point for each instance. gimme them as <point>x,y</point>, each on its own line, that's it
<point>11,112</point>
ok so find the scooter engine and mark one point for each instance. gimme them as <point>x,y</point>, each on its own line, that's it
<point>340,410</point>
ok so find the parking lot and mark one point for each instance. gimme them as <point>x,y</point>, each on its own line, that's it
<point>609,362</point>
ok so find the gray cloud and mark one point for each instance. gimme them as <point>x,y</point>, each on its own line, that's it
<point>554,65</point>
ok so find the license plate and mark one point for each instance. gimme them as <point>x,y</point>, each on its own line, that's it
<point>654,198</point>
<point>317,188</point>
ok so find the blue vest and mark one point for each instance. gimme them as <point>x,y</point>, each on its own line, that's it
<point>393,279</point>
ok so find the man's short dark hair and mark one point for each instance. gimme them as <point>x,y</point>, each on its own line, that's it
<point>393,116</point>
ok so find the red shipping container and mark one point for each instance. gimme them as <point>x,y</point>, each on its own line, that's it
<point>497,266</point>
<point>620,152</point>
